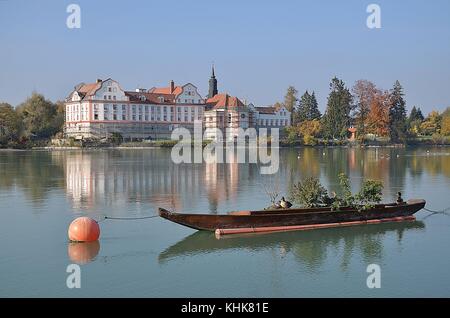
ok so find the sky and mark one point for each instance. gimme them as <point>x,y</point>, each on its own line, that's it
<point>259,48</point>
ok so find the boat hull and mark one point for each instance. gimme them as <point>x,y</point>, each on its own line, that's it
<point>290,217</point>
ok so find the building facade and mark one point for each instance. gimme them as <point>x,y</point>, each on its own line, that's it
<point>97,110</point>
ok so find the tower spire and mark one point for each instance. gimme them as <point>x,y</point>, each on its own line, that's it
<point>212,84</point>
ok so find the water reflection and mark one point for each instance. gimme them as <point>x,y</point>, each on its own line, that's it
<point>83,253</point>
<point>117,178</point>
<point>309,248</point>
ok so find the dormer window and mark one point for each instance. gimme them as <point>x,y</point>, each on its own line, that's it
<point>142,98</point>
<point>161,99</point>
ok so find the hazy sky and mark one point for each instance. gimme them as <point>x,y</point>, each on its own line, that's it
<point>259,47</point>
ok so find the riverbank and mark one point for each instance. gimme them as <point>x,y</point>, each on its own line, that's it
<point>319,143</point>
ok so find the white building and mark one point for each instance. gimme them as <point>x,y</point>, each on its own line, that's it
<point>99,109</point>
<point>96,110</point>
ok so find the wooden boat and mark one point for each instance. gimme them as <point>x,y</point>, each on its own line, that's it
<point>294,219</point>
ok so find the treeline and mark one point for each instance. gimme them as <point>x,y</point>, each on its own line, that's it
<point>31,123</point>
<point>375,113</point>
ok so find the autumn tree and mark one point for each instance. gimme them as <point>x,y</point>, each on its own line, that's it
<point>397,114</point>
<point>336,119</point>
<point>364,92</point>
<point>432,124</point>
<point>378,117</point>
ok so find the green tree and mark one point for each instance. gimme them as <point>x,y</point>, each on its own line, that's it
<point>397,114</point>
<point>308,108</point>
<point>41,118</point>
<point>414,120</point>
<point>10,124</point>
<point>445,125</point>
<point>290,100</point>
<point>336,119</point>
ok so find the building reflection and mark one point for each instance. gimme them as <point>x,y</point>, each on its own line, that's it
<point>115,178</point>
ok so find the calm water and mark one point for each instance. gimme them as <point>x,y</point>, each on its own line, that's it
<point>42,192</point>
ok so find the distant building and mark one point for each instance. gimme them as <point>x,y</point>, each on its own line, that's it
<point>97,110</point>
<point>227,113</point>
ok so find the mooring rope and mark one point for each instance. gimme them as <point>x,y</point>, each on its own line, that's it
<point>106,217</point>
<point>437,211</point>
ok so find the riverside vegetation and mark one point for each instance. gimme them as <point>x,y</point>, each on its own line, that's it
<point>378,115</point>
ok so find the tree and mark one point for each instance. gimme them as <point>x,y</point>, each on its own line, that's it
<point>445,125</point>
<point>416,114</point>
<point>378,117</point>
<point>414,121</point>
<point>432,124</point>
<point>10,124</point>
<point>290,100</point>
<point>41,118</point>
<point>308,108</point>
<point>365,92</point>
<point>397,114</point>
<point>336,119</point>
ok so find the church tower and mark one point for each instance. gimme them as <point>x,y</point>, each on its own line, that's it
<point>212,85</point>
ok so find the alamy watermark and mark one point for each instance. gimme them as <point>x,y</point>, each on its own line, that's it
<point>73,21</point>
<point>235,145</point>
<point>374,279</point>
<point>374,19</point>
<point>74,278</point>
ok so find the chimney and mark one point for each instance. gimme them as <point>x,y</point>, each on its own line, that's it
<point>172,86</point>
<point>99,80</point>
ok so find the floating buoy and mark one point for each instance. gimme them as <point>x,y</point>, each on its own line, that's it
<point>83,253</point>
<point>84,229</point>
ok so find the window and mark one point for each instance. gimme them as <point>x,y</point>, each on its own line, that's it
<point>109,89</point>
<point>229,118</point>
<point>104,96</point>
<point>114,97</point>
<point>161,99</point>
<point>124,117</point>
<point>114,117</point>
<point>134,117</point>
<point>95,116</point>
<point>146,117</point>
<point>105,108</point>
<point>114,107</point>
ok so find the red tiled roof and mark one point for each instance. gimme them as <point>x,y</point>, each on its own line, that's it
<point>224,101</point>
<point>166,90</point>
<point>87,89</point>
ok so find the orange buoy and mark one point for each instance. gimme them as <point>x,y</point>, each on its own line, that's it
<point>84,229</point>
<point>83,253</point>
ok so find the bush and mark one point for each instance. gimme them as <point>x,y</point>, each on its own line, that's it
<point>309,193</point>
<point>309,140</point>
<point>370,194</point>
